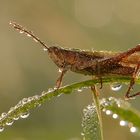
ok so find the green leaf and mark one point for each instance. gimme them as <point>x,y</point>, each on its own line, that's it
<point>90,124</point>
<point>124,110</point>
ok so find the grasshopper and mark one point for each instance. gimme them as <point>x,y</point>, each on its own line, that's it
<point>95,63</point>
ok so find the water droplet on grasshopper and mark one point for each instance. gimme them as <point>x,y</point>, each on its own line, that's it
<point>45,49</point>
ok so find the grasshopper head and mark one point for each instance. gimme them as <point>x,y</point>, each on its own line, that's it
<point>57,55</point>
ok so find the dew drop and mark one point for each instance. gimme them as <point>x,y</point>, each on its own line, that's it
<point>11,109</point>
<point>16,118</point>
<point>50,90</point>
<point>111,98</point>
<point>104,110</point>
<point>21,31</point>
<point>3,114</point>
<point>108,112</point>
<point>60,70</point>
<point>82,134</point>
<point>59,95</point>
<point>123,123</point>
<point>45,49</point>
<point>115,116</point>
<point>79,90</point>
<point>133,129</point>
<point>25,115</point>
<point>116,86</point>
<point>30,99</point>
<point>89,107</point>
<point>84,111</point>
<point>1,128</point>
<point>118,104</point>
<point>43,93</point>
<point>24,100</point>
<point>10,122</point>
<point>35,40</point>
<point>36,97</point>
<point>28,35</point>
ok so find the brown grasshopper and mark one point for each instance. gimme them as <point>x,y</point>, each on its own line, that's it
<point>97,63</point>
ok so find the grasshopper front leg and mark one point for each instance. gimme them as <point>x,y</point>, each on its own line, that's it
<point>59,80</point>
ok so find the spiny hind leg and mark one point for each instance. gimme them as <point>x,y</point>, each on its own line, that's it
<point>60,78</point>
<point>110,62</point>
<point>132,82</point>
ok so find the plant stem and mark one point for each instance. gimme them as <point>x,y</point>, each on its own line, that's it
<point>96,101</point>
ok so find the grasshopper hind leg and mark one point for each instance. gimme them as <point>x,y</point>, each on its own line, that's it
<point>132,82</point>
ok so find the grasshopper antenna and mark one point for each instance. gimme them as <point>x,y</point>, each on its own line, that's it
<point>21,29</point>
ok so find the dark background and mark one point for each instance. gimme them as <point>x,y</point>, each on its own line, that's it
<point>26,70</point>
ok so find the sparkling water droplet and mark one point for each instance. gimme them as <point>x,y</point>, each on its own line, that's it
<point>50,90</point>
<point>24,100</point>
<point>116,86</point>
<point>115,116</point>
<point>133,129</point>
<point>35,40</point>
<point>111,98</point>
<point>11,109</point>
<point>118,104</point>
<point>36,97</point>
<point>59,95</point>
<point>16,118</point>
<point>3,114</point>
<point>79,90</point>
<point>45,49</point>
<point>84,111</point>
<point>43,93</point>
<point>21,31</point>
<point>10,122</point>
<point>89,107</point>
<point>108,112</point>
<point>25,115</point>
<point>1,128</point>
<point>60,70</point>
<point>104,110</point>
<point>30,99</point>
<point>123,123</point>
<point>82,134</point>
<point>28,35</point>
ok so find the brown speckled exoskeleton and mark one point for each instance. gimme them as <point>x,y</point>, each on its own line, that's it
<point>95,63</point>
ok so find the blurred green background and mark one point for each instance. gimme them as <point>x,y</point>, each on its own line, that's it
<point>26,70</point>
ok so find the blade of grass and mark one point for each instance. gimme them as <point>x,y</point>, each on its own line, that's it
<point>123,109</point>
<point>90,124</point>
<point>96,101</point>
<point>27,104</point>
